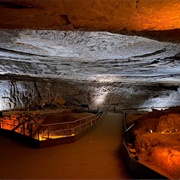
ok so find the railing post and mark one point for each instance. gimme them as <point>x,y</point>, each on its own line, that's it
<point>43,131</point>
<point>67,128</point>
<point>124,112</point>
<point>48,132</point>
<point>31,129</point>
<point>38,131</point>
<point>74,130</point>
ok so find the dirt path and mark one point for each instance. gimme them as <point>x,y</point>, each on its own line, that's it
<point>95,156</point>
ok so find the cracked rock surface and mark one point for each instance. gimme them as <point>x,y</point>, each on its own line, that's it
<point>90,14</point>
<point>103,67</point>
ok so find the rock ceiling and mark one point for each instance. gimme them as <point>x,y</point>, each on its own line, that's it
<point>91,14</point>
<point>94,56</point>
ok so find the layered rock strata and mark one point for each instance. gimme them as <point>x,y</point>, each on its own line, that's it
<point>94,68</point>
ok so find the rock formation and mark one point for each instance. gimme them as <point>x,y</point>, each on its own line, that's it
<point>81,56</point>
<point>91,15</point>
<point>94,68</point>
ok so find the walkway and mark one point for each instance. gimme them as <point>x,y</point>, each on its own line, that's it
<point>95,156</point>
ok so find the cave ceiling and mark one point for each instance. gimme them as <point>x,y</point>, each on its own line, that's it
<point>130,41</point>
<point>91,14</point>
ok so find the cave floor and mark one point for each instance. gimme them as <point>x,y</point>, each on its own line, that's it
<point>95,156</point>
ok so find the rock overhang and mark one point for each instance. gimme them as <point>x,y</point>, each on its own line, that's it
<point>101,56</point>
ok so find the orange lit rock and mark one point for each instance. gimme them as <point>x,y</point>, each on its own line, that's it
<point>169,160</point>
<point>168,123</point>
<point>91,14</point>
<point>159,150</point>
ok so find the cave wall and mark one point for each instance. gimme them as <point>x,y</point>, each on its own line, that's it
<point>32,94</point>
<point>95,68</point>
<point>90,14</point>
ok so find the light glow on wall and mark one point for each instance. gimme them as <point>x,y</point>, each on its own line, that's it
<point>101,99</point>
<point>162,101</point>
<point>4,105</point>
<point>105,78</point>
<point>1,107</point>
<point>100,96</point>
<point>5,102</point>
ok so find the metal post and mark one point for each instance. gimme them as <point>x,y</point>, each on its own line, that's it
<point>48,132</point>
<point>75,128</point>
<point>38,134</point>
<point>67,128</point>
<point>124,112</point>
<point>43,129</point>
<point>31,130</point>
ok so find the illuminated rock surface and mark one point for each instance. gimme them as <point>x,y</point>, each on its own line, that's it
<point>93,67</point>
<point>99,56</point>
<point>157,142</point>
<point>92,15</point>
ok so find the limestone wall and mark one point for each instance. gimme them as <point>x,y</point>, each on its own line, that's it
<point>19,94</point>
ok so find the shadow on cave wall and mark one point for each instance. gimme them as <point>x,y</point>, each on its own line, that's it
<point>161,35</point>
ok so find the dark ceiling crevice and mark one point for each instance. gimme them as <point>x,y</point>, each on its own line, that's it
<point>15,5</point>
